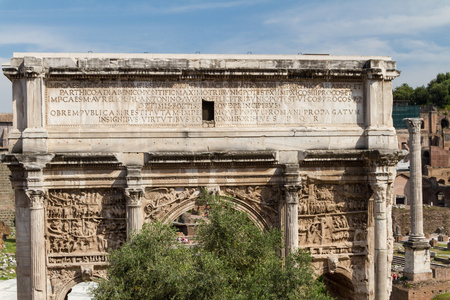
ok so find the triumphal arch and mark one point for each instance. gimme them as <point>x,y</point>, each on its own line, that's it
<point>103,143</point>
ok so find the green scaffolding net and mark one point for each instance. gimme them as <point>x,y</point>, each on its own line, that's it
<point>404,111</point>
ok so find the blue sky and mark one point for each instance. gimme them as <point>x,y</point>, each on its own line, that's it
<point>416,34</point>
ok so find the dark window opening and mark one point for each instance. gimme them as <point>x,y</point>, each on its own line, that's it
<point>207,110</point>
<point>422,125</point>
<point>444,123</point>
<point>400,199</point>
<point>440,199</point>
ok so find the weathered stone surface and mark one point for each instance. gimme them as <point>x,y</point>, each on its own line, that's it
<point>105,142</point>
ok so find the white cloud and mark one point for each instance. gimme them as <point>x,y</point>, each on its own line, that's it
<point>5,91</point>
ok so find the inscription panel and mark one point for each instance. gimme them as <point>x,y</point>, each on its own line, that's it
<point>175,104</point>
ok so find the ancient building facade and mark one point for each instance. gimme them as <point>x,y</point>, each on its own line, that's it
<point>102,144</point>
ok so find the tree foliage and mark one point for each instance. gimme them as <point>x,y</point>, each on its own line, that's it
<point>234,260</point>
<point>436,93</point>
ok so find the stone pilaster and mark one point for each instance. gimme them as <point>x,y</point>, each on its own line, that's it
<point>417,253</point>
<point>291,189</point>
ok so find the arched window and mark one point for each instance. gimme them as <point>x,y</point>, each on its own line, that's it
<point>444,123</point>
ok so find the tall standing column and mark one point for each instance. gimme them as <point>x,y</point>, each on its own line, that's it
<point>37,244</point>
<point>417,254</point>
<point>291,189</point>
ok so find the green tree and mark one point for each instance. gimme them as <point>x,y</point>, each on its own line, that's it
<point>421,96</point>
<point>234,260</point>
<point>403,92</point>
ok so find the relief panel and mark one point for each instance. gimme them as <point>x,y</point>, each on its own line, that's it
<point>83,225</point>
<point>333,217</point>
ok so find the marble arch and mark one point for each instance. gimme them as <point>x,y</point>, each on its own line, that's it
<point>255,211</point>
<point>102,143</point>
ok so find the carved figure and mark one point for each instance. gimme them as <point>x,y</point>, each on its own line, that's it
<point>75,218</point>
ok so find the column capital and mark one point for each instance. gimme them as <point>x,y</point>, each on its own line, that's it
<point>36,198</point>
<point>414,124</point>
<point>133,196</point>
<point>291,192</point>
<point>291,188</point>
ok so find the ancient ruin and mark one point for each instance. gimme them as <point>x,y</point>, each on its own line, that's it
<point>103,143</point>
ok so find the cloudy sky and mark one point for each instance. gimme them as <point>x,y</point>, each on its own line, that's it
<point>416,34</point>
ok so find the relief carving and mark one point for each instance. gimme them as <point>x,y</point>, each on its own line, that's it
<point>333,217</point>
<point>263,199</point>
<point>160,201</point>
<point>85,221</point>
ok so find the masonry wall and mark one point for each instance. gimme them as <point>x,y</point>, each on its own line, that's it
<point>422,293</point>
<point>6,196</point>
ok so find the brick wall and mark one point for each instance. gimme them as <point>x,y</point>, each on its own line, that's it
<point>6,196</point>
<point>433,218</point>
<point>421,293</point>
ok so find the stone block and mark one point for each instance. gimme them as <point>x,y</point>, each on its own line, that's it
<point>433,242</point>
<point>442,238</point>
<point>398,238</point>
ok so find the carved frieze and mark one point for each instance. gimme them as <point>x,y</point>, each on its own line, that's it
<point>333,217</point>
<point>84,221</point>
<point>263,200</point>
<point>161,201</point>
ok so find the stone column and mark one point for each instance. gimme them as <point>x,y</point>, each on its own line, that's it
<point>415,176</point>
<point>381,255</point>
<point>417,254</point>
<point>133,194</point>
<point>291,197</point>
<point>291,189</point>
<point>37,244</point>
<point>134,210</point>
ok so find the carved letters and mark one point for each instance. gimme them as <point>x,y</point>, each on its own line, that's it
<point>172,104</point>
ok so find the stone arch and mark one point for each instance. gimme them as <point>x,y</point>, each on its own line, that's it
<point>187,204</point>
<point>339,284</point>
<point>64,290</point>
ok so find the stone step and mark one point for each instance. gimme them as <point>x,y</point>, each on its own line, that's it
<point>398,260</point>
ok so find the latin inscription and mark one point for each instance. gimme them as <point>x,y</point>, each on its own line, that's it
<point>169,104</point>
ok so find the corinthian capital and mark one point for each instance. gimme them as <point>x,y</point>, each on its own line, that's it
<point>133,196</point>
<point>414,124</point>
<point>36,198</point>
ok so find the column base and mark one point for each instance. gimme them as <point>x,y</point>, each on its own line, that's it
<point>417,260</point>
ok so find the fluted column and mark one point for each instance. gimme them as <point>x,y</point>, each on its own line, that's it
<point>291,197</point>
<point>134,210</point>
<point>381,255</point>
<point>291,189</point>
<point>37,244</point>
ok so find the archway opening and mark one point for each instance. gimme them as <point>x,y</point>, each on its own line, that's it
<point>339,286</point>
<point>444,124</point>
<point>81,291</point>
